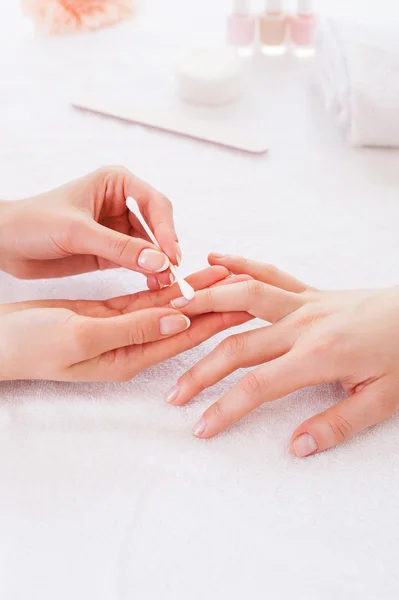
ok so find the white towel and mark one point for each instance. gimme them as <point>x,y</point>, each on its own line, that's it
<point>104,492</point>
<point>359,69</point>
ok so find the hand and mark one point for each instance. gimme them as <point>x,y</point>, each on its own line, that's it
<point>67,340</point>
<point>315,337</point>
<point>84,226</point>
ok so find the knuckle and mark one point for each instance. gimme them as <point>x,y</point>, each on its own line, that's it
<point>325,345</point>
<point>341,429</point>
<point>208,298</point>
<point>194,380</point>
<point>122,246</point>
<point>304,319</point>
<point>252,383</point>
<point>269,272</point>
<point>191,340</point>
<point>117,366</point>
<point>79,335</point>
<point>137,335</point>
<point>111,170</point>
<point>255,289</point>
<point>309,314</point>
<point>165,200</point>
<point>219,411</point>
<point>111,177</point>
<point>232,346</point>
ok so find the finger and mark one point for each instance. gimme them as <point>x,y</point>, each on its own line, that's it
<point>122,304</point>
<point>153,283</point>
<point>260,271</point>
<point>269,382</point>
<point>232,279</point>
<point>96,336</point>
<point>126,363</point>
<point>257,298</point>
<point>158,212</point>
<point>336,425</point>
<point>132,253</point>
<point>198,281</point>
<point>235,352</point>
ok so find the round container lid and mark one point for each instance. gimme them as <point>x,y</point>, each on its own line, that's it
<point>209,75</point>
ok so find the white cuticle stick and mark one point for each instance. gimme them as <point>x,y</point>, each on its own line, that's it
<point>185,288</point>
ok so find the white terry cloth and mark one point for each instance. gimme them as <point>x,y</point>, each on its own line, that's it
<point>104,493</point>
<point>359,72</point>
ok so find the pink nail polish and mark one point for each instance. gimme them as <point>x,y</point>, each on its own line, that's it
<point>241,27</point>
<point>199,428</point>
<point>302,27</point>
<point>173,393</point>
<point>273,26</point>
<point>304,445</point>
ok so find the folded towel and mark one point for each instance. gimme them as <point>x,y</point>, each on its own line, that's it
<point>359,71</point>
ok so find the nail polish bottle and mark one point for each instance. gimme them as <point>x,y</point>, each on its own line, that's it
<point>303,26</point>
<point>241,27</point>
<point>273,24</point>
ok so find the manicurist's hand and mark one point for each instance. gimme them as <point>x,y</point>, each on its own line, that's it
<point>103,341</point>
<point>84,226</point>
<point>315,337</point>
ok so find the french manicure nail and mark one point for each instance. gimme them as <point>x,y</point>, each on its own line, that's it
<point>304,445</point>
<point>173,394</point>
<point>173,324</point>
<point>180,302</point>
<point>153,260</point>
<point>199,428</point>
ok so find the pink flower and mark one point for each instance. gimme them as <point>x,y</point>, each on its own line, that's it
<point>69,16</point>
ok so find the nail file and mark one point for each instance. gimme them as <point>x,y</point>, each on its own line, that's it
<point>185,288</point>
<point>208,131</point>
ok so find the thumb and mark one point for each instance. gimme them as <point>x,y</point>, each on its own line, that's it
<point>339,423</point>
<point>126,251</point>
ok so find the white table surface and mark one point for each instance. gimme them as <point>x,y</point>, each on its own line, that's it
<point>103,492</point>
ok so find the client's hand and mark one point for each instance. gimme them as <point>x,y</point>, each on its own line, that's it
<point>315,337</point>
<point>108,341</point>
<point>84,226</point>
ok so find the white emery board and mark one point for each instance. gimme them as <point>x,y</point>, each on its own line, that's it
<point>223,135</point>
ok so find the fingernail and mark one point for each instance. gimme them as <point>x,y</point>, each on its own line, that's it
<point>180,302</point>
<point>172,278</point>
<point>178,255</point>
<point>304,445</point>
<point>216,255</point>
<point>153,260</point>
<point>173,394</point>
<point>199,427</point>
<point>173,324</point>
